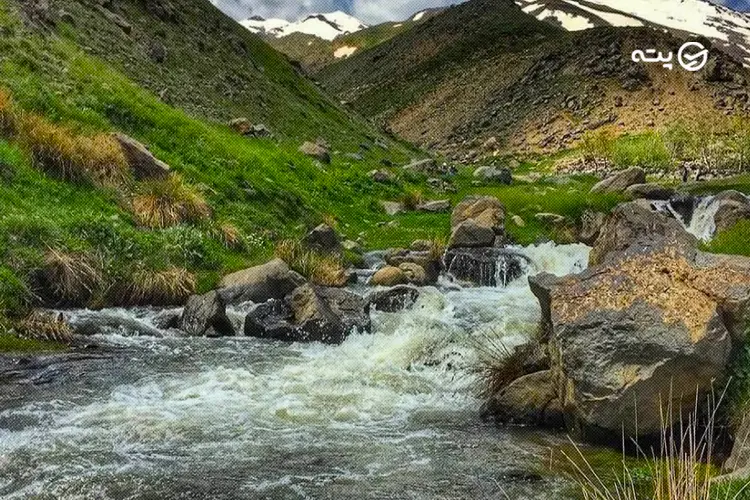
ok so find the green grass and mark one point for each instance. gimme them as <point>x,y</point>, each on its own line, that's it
<point>10,344</point>
<point>733,241</point>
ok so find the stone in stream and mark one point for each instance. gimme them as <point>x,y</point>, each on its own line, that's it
<point>647,329</point>
<point>621,181</point>
<point>729,213</point>
<point>389,276</point>
<point>469,234</point>
<point>528,400</point>
<point>485,211</point>
<point>492,267</point>
<point>310,314</point>
<point>206,316</point>
<point>273,280</point>
<point>405,260</point>
<point>394,299</point>
<point>109,322</point>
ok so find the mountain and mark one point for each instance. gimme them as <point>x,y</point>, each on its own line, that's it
<point>727,28</point>
<point>324,26</point>
<point>486,71</point>
<point>314,53</point>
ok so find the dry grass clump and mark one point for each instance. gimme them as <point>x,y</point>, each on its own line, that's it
<point>324,270</point>
<point>437,249</point>
<point>499,366</point>
<point>230,236</point>
<point>168,287</point>
<point>165,203</point>
<point>45,326</point>
<point>7,115</point>
<point>72,278</point>
<point>411,200</point>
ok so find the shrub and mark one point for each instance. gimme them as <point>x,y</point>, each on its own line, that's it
<point>71,278</point>
<point>170,202</point>
<point>45,326</point>
<point>168,287</point>
<point>58,151</point>
<point>499,366</point>
<point>324,270</point>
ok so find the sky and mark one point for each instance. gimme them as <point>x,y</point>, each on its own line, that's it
<point>369,11</point>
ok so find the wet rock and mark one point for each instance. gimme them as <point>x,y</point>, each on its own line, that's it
<point>636,228</point>
<point>310,314</point>
<point>108,323</point>
<point>435,207</point>
<point>142,163</point>
<point>389,276</point>
<point>485,266</point>
<point>620,181</point>
<point>206,316</point>
<point>730,213</point>
<point>394,299</point>
<point>273,280</point>
<point>317,151</point>
<point>469,234</point>
<point>732,195</point>
<point>494,175</point>
<point>529,400</point>
<point>167,320</point>
<point>323,239</point>
<point>628,337</point>
<point>684,205</point>
<point>650,192</point>
<point>415,273</point>
<point>426,260</point>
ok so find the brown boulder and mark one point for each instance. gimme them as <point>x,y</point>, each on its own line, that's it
<point>621,181</point>
<point>142,163</point>
<point>485,211</point>
<point>389,276</point>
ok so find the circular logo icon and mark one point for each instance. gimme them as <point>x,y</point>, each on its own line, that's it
<point>693,56</point>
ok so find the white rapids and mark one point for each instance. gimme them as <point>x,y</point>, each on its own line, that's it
<point>392,414</point>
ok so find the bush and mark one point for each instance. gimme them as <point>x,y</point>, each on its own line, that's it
<point>7,115</point>
<point>168,287</point>
<point>324,270</point>
<point>170,202</point>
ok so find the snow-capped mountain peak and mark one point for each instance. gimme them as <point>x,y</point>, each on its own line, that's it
<point>326,26</point>
<point>727,28</point>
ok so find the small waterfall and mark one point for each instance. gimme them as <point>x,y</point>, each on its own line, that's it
<point>703,224</point>
<point>487,267</point>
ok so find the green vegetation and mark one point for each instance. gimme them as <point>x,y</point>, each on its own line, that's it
<point>12,344</point>
<point>733,241</point>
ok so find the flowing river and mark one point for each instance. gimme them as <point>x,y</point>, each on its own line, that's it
<point>393,414</point>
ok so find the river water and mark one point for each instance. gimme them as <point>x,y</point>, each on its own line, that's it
<point>388,415</point>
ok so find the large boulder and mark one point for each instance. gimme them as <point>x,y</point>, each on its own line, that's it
<point>492,267</point>
<point>469,234</point>
<point>206,316</point>
<point>317,151</point>
<point>485,211</point>
<point>590,227</point>
<point>142,163</point>
<point>731,212</point>
<point>310,314</point>
<point>650,191</point>
<point>636,227</point>
<point>621,181</point>
<point>273,280</point>
<point>631,337</point>
<point>394,299</point>
<point>323,239</point>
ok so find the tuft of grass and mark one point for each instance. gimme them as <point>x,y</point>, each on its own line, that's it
<point>230,236</point>
<point>72,278</point>
<point>324,270</point>
<point>166,203</point>
<point>45,326</point>
<point>7,115</point>
<point>168,287</point>
<point>15,296</point>
<point>499,366</point>
<point>412,199</point>
<point>10,343</point>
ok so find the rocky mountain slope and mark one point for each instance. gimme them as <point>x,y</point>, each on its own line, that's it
<point>727,28</point>
<point>486,73</point>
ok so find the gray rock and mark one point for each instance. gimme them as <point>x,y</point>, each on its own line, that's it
<point>389,276</point>
<point>435,207</point>
<point>394,299</point>
<point>393,207</point>
<point>206,316</point>
<point>422,166</point>
<point>469,234</point>
<point>415,273</point>
<point>273,280</point>
<point>381,176</point>
<point>485,211</point>
<point>650,191</point>
<point>550,219</point>
<point>730,213</point>
<point>317,151</point>
<point>323,239</point>
<point>529,400</point>
<point>493,267</point>
<point>494,175</point>
<point>590,227</point>
<point>732,195</point>
<point>142,163</point>
<point>620,181</point>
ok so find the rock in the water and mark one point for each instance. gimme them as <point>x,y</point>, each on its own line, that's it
<point>485,266</point>
<point>310,314</point>
<point>389,276</point>
<point>469,234</point>
<point>732,195</point>
<point>323,239</point>
<point>529,400</point>
<point>394,299</point>
<point>142,163</point>
<point>206,316</point>
<point>273,280</point>
<point>620,181</point>
<point>494,174</point>
<point>430,264</point>
<point>435,207</point>
<point>485,211</point>
<point>683,205</point>
<point>730,213</point>
<point>415,273</point>
<point>650,191</point>
<point>106,322</point>
<point>635,228</point>
<point>628,338</point>
<point>317,151</point>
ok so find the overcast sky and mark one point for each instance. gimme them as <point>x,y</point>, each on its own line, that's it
<point>369,11</point>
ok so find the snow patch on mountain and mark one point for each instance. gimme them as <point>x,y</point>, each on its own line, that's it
<point>327,26</point>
